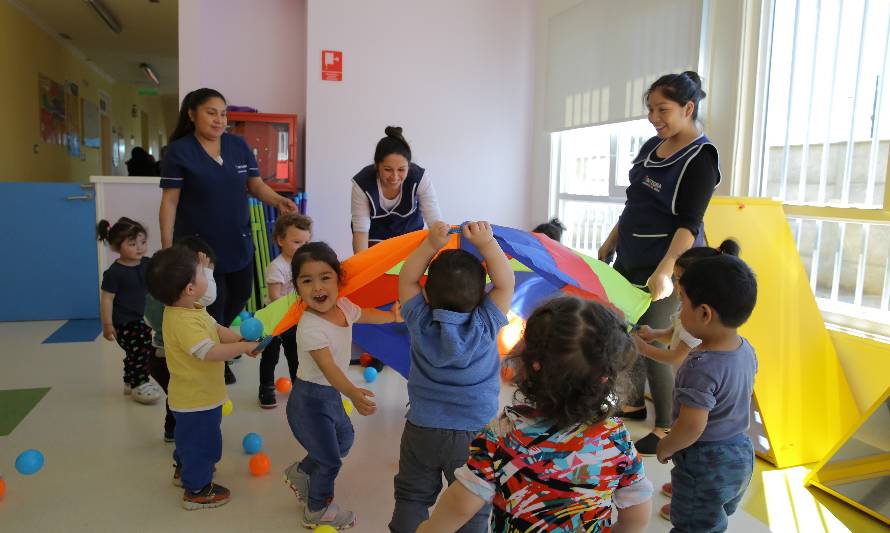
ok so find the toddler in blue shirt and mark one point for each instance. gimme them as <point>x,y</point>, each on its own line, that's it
<point>453,384</point>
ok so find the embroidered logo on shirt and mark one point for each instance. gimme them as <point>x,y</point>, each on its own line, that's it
<point>652,184</point>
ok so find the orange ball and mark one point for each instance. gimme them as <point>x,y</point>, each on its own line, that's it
<point>2,488</point>
<point>283,385</point>
<point>365,359</point>
<point>259,464</point>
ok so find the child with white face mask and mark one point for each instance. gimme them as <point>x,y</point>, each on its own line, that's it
<point>154,317</point>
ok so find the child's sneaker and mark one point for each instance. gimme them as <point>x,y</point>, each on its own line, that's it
<point>298,481</point>
<point>146,393</point>
<point>665,512</point>
<point>212,495</point>
<point>331,516</point>
<point>169,436</point>
<point>267,396</point>
<point>667,489</point>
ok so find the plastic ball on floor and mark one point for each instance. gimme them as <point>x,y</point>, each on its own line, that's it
<point>365,359</point>
<point>347,406</point>
<point>244,315</point>
<point>259,464</point>
<point>251,329</point>
<point>252,443</point>
<point>283,385</point>
<point>325,529</point>
<point>227,408</point>
<point>236,322</point>
<point>370,374</point>
<point>29,462</point>
<point>2,488</point>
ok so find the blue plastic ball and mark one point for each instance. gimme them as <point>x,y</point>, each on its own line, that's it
<point>252,443</point>
<point>244,315</point>
<point>29,462</point>
<point>370,374</point>
<point>251,329</point>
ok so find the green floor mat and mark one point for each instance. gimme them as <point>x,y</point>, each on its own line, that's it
<point>16,404</point>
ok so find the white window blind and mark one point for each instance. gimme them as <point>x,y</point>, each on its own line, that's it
<point>603,54</point>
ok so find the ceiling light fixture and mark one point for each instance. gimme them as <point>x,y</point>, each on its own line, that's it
<point>149,71</point>
<point>105,15</point>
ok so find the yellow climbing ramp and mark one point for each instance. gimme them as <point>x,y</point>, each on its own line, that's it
<point>803,402</point>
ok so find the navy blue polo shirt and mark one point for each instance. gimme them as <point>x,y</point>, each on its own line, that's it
<point>213,201</point>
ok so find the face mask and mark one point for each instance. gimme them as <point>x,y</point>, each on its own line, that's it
<point>210,295</point>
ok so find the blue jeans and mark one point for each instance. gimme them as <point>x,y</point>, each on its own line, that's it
<point>425,455</point>
<point>317,419</point>
<point>709,480</point>
<point>198,446</point>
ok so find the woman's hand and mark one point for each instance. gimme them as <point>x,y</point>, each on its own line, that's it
<point>605,252</point>
<point>660,285</point>
<point>286,205</point>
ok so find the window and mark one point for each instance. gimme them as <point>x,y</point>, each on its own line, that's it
<point>824,150</point>
<point>590,173</point>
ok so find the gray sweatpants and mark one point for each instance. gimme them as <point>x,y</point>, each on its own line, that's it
<point>425,455</point>
<point>660,376</point>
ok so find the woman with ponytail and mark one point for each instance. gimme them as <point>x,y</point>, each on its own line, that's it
<point>671,183</point>
<point>206,176</point>
<point>391,197</point>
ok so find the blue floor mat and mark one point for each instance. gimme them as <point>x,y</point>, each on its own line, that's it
<point>80,330</point>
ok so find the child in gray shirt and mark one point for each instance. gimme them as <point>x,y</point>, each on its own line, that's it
<point>708,443</point>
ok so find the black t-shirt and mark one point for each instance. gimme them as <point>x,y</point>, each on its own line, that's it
<point>127,283</point>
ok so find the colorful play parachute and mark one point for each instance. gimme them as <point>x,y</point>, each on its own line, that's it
<point>542,267</point>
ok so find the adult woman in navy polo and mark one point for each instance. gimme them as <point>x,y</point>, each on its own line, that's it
<point>391,197</point>
<point>206,177</point>
<point>671,184</point>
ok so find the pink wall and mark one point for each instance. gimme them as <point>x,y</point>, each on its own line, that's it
<point>252,52</point>
<point>457,75</point>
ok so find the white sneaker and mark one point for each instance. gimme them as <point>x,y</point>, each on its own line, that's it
<point>146,393</point>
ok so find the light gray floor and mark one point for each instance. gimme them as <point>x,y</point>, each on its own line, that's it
<point>108,469</point>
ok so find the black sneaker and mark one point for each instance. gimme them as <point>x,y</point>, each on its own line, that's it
<point>169,436</point>
<point>648,444</point>
<point>267,397</point>
<point>230,377</point>
<point>639,414</point>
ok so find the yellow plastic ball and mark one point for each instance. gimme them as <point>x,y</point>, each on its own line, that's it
<point>325,529</point>
<point>347,406</point>
<point>227,408</point>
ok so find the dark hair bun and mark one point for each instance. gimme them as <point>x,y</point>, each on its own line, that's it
<point>394,131</point>
<point>730,247</point>
<point>696,81</point>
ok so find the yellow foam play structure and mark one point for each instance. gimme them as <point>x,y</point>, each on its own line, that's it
<point>804,403</point>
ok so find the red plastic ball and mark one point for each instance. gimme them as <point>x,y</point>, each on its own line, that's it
<point>259,464</point>
<point>283,385</point>
<point>365,359</point>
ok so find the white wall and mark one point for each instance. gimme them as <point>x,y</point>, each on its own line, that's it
<point>458,76</point>
<point>252,52</point>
